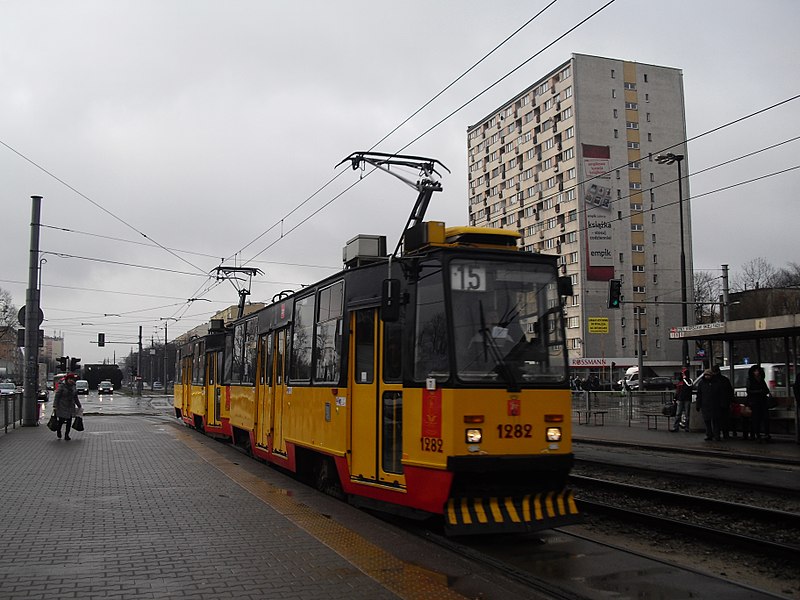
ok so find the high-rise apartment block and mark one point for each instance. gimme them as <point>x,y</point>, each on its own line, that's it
<point>570,163</point>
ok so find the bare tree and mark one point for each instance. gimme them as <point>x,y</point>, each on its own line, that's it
<point>756,273</point>
<point>788,276</point>
<point>707,289</point>
<point>8,315</point>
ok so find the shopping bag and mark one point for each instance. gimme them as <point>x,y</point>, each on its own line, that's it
<point>52,424</point>
<point>77,424</point>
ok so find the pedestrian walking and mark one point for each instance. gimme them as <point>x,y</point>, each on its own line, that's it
<point>758,397</point>
<point>727,400</point>
<point>65,402</point>
<point>683,400</point>
<point>710,399</point>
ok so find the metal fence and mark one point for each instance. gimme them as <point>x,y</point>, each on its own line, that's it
<point>12,410</point>
<point>622,407</point>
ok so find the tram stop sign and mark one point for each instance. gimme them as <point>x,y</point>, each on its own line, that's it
<point>21,316</point>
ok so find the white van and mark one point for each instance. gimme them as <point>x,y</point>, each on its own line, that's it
<point>774,375</point>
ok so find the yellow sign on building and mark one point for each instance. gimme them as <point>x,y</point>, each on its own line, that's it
<point>598,324</point>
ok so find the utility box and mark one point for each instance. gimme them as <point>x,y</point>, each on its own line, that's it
<point>364,249</point>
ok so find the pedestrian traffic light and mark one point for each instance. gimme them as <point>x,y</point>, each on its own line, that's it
<point>101,339</point>
<point>74,364</point>
<point>62,363</point>
<point>614,293</point>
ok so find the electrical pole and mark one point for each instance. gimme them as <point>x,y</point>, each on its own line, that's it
<point>30,417</point>
<point>139,365</point>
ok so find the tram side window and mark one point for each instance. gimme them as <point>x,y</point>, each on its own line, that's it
<point>249,353</point>
<point>228,359</point>
<point>329,334</point>
<point>302,337</point>
<point>431,357</point>
<point>365,346</point>
<point>238,349</point>
<point>199,367</point>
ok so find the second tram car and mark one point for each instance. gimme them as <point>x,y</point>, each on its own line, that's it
<point>430,383</point>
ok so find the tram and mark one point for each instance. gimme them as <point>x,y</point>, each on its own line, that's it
<point>429,382</point>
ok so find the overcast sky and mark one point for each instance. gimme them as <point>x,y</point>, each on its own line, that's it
<point>203,125</point>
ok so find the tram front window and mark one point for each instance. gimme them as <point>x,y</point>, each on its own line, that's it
<point>506,322</point>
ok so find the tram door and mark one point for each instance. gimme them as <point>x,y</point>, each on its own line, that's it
<point>213,390</point>
<point>264,391</point>
<point>186,385</point>
<point>376,412</point>
<point>279,391</point>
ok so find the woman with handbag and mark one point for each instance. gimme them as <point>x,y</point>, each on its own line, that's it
<point>758,397</point>
<point>65,402</point>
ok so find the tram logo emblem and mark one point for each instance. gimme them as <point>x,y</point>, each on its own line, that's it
<point>432,413</point>
<point>514,407</point>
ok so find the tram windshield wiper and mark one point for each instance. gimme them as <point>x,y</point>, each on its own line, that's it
<point>503,369</point>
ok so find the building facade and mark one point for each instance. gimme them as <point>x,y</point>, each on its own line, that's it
<point>570,163</point>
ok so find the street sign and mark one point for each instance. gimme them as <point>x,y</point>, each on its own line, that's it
<point>598,324</point>
<point>21,316</point>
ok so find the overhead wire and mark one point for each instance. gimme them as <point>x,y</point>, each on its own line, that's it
<point>450,115</point>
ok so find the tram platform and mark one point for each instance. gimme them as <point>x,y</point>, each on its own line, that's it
<point>780,448</point>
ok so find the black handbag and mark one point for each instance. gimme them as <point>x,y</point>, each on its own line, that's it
<point>52,424</point>
<point>77,424</point>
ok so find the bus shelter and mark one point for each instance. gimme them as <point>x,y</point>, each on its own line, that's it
<point>757,330</point>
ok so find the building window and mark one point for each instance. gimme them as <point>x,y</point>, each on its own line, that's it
<point>637,248</point>
<point>573,322</point>
<point>629,86</point>
<point>621,257</point>
<point>655,258</point>
<point>654,238</point>
<point>649,137</point>
<point>615,113</point>
<point>612,74</point>
<point>622,342</point>
<point>631,125</point>
<point>616,133</point>
<point>655,278</point>
<point>613,93</point>
<point>635,185</point>
<point>637,227</point>
<point>639,289</point>
<point>638,268</point>
<point>633,145</point>
<point>632,106</point>
<point>645,77</point>
<point>647,97</point>
<point>648,117</point>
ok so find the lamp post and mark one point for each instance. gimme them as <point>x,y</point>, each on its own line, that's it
<point>668,159</point>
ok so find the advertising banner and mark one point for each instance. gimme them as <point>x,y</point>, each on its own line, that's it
<point>597,212</point>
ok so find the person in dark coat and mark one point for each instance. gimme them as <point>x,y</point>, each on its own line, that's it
<point>711,396</point>
<point>683,399</point>
<point>758,400</point>
<point>65,402</point>
<point>727,400</point>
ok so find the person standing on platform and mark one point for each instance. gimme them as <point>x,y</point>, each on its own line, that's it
<point>726,402</point>
<point>710,393</point>
<point>758,400</point>
<point>683,399</point>
<point>64,404</point>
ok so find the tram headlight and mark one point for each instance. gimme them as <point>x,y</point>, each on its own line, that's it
<point>474,436</point>
<point>553,434</point>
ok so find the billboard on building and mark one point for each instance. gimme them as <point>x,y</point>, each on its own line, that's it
<point>596,196</point>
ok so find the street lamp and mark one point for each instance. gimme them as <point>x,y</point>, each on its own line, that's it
<point>668,159</point>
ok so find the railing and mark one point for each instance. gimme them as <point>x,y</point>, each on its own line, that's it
<point>622,406</point>
<point>12,410</point>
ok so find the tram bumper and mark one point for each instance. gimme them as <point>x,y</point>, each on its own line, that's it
<point>510,514</point>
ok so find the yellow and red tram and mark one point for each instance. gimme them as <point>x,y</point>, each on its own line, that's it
<point>430,383</point>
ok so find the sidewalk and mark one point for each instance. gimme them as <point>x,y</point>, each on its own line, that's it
<point>141,507</point>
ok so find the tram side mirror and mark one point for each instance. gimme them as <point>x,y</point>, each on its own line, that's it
<point>390,300</point>
<point>565,286</point>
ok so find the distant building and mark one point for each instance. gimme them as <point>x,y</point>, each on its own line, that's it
<point>569,164</point>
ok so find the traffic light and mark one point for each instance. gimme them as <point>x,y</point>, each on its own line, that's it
<point>62,362</point>
<point>614,293</point>
<point>101,339</point>
<point>74,364</point>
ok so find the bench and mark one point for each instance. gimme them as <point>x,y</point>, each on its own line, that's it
<point>652,420</point>
<point>598,416</point>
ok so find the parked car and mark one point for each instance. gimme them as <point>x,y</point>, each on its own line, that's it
<point>42,395</point>
<point>82,386</point>
<point>105,387</point>
<point>157,385</point>
<point>7,389</point>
